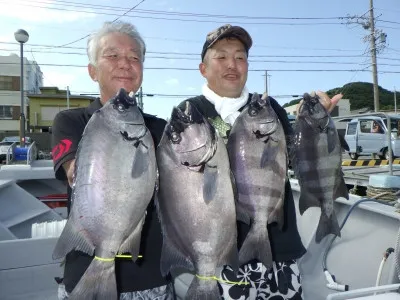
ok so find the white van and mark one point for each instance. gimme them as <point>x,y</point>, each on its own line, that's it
<point>368,135</point>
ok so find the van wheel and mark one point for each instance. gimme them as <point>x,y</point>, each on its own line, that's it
<point>353,156</point>
<point>386,154</point>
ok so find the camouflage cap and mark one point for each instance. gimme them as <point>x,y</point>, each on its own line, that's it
<point>227,31</point>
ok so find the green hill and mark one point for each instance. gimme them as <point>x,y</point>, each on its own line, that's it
<point>361,95</point>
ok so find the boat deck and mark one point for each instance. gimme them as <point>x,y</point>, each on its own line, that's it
<point>360,175</point>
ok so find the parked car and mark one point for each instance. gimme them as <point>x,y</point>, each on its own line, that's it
<point>368,135</point>
<point>7,142</point>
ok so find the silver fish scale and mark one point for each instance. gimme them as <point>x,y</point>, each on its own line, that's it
<point>190,224</point>
<point>260,188</point>
<point>111,200</point>
<point>199,234</point>
<point>316,159</point>
<point>317,168</point>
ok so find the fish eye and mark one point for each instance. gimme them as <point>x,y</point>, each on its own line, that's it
<point>253,111</point>
<point>120,107</point>
<point>175,138</point>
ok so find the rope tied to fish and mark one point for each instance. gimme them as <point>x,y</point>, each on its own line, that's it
<point>109,259</point>
<point>222,280</point>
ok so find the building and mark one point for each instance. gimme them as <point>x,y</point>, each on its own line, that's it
<point>10,95</point>
<point>44,106</point>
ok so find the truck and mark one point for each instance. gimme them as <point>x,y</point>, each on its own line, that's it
<point>368,135</point>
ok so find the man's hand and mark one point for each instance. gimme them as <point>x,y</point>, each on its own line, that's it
<point>69,167</point>
<point>327,102</point>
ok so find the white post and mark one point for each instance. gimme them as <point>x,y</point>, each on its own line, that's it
<point>67,97</point>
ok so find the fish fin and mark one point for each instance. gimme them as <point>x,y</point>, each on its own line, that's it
<point>203,289</point>
<point>72,239</point>
<point>327,225</point>
<point>98,282</point>
<point>277,216</point>
<point>140,162</point>
<point>269,153</point>
<point>210,183</point>
<point>341,189</point>
<point>306,201</point>
<point>132,242</point>
<point>332,140</point>
<point>242,215</point>
<point>231,258</point>
<point>256,246</point>
<point>172,258</point>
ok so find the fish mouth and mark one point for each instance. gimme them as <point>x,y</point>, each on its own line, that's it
<point>193,150</point>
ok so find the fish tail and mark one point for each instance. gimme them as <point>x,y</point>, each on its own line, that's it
<point>98,282</point>
<point>256,246</point>
<point>327,225</point>
<point>203,289</point>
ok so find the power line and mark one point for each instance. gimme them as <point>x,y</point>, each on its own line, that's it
<point>197,54</point>
<point>84,37</point>
<point>196,69</point>
<point>184,20</point>
<point>163,12</point>
<point>291,47</point>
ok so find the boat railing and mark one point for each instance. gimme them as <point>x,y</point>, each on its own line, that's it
<point>30,154</point>
<point>389,131</point>
<point>10,153</point>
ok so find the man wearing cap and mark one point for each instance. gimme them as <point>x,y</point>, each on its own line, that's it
<point>224,65</point>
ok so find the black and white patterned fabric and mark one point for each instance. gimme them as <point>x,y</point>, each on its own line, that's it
<point>282,282</point>
<point>165,292</point>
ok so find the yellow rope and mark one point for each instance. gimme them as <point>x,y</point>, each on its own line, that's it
<point>221,280</point>
<point>113,258</point>
<point>104,259</point>
<point>127,256</point>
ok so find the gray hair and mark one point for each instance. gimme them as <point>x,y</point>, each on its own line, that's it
<point>110,27</point>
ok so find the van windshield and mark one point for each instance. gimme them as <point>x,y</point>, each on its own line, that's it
<point>394,123</point>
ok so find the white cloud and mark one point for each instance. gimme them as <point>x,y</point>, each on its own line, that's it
<point>190,89</point>
<point>172,81</point>
<point>41,13</point>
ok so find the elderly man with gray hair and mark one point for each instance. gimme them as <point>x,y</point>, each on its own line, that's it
<point>116,53</point>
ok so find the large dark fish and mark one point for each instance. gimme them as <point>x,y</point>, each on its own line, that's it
<point>317,160</point>
<point>258,157</point>
<point>115,176</point>
<point>196,201</point>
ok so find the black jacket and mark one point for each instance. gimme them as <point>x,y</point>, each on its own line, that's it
<point>285,244</point>
<point>68,127</point>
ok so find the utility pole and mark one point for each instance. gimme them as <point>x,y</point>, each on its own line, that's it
<point>395,100</point>
<point>67,97</point>
<point>373,56</point>
<point>266,82</point>
<point>368,23</point>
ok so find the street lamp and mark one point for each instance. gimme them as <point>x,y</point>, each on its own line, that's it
<point>21,36</point>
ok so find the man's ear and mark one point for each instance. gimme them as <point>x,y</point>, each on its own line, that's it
<point>203,69</point>
<point>92,72</point>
